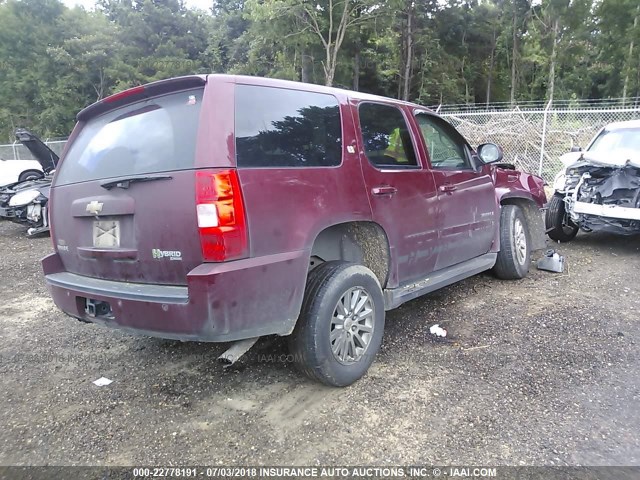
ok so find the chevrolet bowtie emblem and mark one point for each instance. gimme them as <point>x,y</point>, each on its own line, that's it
<point>94,207</point>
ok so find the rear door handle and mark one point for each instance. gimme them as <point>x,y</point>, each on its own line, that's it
<point>448,188</point>
<point>384,190</point>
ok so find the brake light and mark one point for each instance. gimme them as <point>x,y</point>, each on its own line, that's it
<point>127,93</point>
<point>221,216</point>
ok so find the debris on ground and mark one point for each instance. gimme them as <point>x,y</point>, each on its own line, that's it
<point>552,261</point>
<point>438,331</point>
<point>102,382</point>
<point>533,389</point>
<point>478,347</point>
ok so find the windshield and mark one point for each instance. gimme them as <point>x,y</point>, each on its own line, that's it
<point>621,141</point>
<point>156,135</point>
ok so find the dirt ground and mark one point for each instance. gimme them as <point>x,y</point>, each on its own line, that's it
<point>538,371</point>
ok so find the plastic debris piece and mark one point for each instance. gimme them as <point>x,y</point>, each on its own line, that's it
<point>102,382</point>
<point>438,331</point>
<point>551,262</point>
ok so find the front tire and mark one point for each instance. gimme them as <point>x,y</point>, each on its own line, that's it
<point>341,323</point>
<point>515,244</point>
<point>558,224</point>
<point>30,175</point>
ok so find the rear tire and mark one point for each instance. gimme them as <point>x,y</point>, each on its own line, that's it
<point>341,323</point>
<point>515,244</point>
<point>558,224</point>
<point>30,175</point>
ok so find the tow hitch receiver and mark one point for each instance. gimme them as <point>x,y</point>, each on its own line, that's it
<point>96,308</point>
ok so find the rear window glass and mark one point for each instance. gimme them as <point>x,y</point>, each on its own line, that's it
<point>156,135</point>
<point>277,127</point>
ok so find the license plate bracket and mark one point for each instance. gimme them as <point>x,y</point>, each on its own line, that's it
<point>106,233</point>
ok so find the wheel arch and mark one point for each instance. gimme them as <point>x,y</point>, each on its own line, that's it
<point>534,217</point>
<point>363,242</point>
<point>22,174</point>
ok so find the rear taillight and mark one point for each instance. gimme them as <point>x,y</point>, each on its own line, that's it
<point>221,217</point>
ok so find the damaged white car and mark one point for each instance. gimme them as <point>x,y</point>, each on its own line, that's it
<point>599,188</point>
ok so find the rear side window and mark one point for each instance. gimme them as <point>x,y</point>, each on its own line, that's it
<point>156,135</point>
<point>386,137</point>
<point>277,127</point>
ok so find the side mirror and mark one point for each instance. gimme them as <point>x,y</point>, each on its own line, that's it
<point>576,148</point>
<point>490,153</point>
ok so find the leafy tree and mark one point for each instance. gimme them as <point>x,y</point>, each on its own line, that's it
<point>26,29</point>
<point>55,60</point>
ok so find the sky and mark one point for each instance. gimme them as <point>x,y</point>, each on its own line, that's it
<point>88,4</point>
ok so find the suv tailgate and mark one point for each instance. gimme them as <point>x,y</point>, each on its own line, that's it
<point>123,200</point>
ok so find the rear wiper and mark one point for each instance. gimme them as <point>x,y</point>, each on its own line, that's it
<point>125,182</point>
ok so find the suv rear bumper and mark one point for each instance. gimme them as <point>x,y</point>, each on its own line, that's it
<point>222,301</point>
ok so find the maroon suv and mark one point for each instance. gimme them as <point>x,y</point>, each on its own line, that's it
<point>223,208</point>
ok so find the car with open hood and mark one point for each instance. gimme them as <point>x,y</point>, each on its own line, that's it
<point>26,202</point>
<point>18,170</point>
<point>598,189</point>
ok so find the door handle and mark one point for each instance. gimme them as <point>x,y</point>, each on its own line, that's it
<point>512,178</point>
<point>384,190</point>
<point>448,188</point>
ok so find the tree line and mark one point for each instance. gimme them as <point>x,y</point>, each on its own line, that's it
<point>55,60</point>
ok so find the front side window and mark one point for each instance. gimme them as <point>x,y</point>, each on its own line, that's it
<point>277,127</point>
<point>445,151</point>
<point>385,136</point>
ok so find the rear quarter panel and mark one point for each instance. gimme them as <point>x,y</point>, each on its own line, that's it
<point>286,209</point>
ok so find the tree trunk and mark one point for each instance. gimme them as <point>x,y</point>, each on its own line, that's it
<point>464,78</point>
<point>491,64</point>
<point>629,69</point>
<point>328,66</point>
<point>514,52</point>
<point>422,70</point>
<point>409,52</point>
<point>305,61</point>
<point>356,69</point>
<point>356,56</point>
<point>356,63</point>
<point>552,62</point>
<point>464,59</point>
<point>333,45</point>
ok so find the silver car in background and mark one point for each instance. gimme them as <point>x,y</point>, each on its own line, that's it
<point>599,187</point>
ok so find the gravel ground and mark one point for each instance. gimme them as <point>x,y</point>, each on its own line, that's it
<point>541,371</point>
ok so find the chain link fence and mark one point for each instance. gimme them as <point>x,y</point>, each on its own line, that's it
<point>17,151</point>
<point>534,136</point>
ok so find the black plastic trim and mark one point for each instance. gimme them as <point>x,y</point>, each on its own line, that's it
<point>124,290</point>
